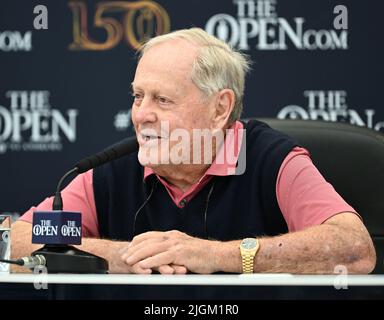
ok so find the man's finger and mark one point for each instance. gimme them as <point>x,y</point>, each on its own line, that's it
<point>146,251</point>
<point>132,250</point>
<point>144,236</point>
<point>138,270</point>
<point>179,269</point>
<point>166,269</point>
<point>157,260</point>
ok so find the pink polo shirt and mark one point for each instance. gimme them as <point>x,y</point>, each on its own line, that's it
<point>305,198</point>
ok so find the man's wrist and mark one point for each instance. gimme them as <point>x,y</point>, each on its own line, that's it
<point>226,257</point>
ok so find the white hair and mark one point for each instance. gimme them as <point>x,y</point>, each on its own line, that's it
<point>216,67</point>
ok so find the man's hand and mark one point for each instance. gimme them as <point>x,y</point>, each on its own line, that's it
<point>172,249</point>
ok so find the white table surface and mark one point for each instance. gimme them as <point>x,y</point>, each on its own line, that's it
<point>219,280</point>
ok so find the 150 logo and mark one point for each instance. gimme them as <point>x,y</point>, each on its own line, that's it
<point>141,20</point>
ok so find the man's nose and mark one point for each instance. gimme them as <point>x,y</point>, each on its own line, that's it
<point>146,112</point>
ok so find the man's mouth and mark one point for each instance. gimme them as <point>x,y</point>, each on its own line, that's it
<point>149,137</point>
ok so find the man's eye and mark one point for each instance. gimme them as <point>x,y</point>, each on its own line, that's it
<point>163,100</point>
<point>137,96</point>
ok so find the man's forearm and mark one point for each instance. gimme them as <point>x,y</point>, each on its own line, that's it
<point>317,250</point>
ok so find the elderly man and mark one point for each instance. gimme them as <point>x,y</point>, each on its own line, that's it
<point>168,213</point>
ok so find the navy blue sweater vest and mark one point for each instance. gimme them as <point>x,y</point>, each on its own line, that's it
<point>227,208</point>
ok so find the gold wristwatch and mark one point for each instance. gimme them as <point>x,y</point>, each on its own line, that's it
<point>248,250</point>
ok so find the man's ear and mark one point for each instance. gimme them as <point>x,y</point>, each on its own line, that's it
<point>224,105</point>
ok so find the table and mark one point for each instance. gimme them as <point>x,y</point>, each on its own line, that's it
<point>217,286</point>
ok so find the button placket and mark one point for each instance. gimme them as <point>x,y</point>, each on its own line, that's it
<point>182,203</point>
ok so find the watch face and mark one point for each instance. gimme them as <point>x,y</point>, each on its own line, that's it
<point>248,243</point>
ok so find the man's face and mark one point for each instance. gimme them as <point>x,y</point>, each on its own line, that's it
<point>166,99</point>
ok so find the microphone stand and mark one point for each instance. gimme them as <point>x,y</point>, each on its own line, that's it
<point>63,258</point>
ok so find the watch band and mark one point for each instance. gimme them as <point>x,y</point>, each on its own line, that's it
<point>247,263</point>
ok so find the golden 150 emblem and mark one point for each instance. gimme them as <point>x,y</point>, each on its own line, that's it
<point>141,21</point>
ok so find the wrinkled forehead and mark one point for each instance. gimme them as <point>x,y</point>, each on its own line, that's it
<point>168,66</point>
<point>170,56</point>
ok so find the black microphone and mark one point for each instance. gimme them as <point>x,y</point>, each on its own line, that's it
<point>58,229</point>
<point>117,150</point>
<point>120,149</point>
